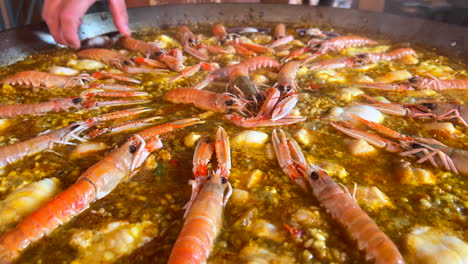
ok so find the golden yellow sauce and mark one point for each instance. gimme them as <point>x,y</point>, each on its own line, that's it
<point>158,194</point>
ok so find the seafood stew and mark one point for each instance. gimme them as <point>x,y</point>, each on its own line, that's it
<point>275,127</point>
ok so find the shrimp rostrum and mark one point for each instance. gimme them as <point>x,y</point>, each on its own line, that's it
<point>337,202</point>
<point>209,196</point>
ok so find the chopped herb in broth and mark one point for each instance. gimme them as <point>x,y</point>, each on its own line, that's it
<point>268,218</point>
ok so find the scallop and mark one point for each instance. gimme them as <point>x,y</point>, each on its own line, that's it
<point>359,50</point>
<point>394,76</point>
<point>348,94</point>
<point>4,123</point>
<point>63,70</point>
<point>87,148</point>
<point>443,127</point>
<point>372,197</point>
<point>253,253</point>
<point>360,147</point>
<point>114,241</point>
<point>428,245</point>
<point>167,42</point>
<point>439,71</point>
<point>25,200</point>
<point>86,64</point>
<point>191,139</point>
<point>250,138</point>
<point>305,137</point>
<point>365,111</point>
<point>258,79</point>
<point>330,76</point>
<point>264,229</point>
<point>406,174</point>
<point>239,197</point>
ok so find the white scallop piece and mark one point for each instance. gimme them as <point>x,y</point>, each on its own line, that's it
<point>428,245</point>
<point>59,70</point>
<point>365,111</point>
<point>250,138</point>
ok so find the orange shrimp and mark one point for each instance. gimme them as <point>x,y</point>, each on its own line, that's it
<point>274,112</point>
<point>94,184</point>
<point>259,62</point>
<point>219,31</point>
<point>320,47</point>
<point>200,54</point>
<point>287,77</point>
<point>168,127</point>
<point>171,62</point>
<point>235,71</point>
<point>253,47</point>
<point>108,57</point>
<point>45,80</point>
<point>280,37</point>
<point>437,85</point>
<point>186,37</point>
<point>338,43</point>
<point>279,31</point>
<point>222,36</point>
<point>243,51</point>
<point>148,49</point>
<point>116,76</point>
<point>204,211</point>
<point>46,140</point>
<point>366,58</point>
<point>14,110</point>
<point>187,72</point>
<point>207,100</point>
<point>150,62</point>
<point>338,203</point>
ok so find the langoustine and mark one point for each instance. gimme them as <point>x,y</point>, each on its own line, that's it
<point>339,203</point>
<point>95,183</point>
<point>204,210</point>
<point>45,80</point>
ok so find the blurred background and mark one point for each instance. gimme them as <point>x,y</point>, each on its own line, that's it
<point>14,13</point>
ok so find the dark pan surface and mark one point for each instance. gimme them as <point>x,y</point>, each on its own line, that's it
<point>17,43</point>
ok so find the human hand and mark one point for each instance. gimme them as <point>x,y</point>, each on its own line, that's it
<point>64,17</point>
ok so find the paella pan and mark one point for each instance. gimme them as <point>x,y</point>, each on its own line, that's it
<point>308,135</point>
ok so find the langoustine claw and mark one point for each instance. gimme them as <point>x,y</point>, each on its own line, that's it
<point>209,196</point>
<point>275,111</point>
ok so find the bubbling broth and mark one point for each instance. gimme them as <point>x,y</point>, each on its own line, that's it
<point>387,121</point>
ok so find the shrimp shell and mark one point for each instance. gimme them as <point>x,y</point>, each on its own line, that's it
<point>148,49</point>
<point>106,56</point>
<point>44,79</point>
<point>92,185</point>
<point>207,100</point>
<point>344,209</point>
<point>201,224</point>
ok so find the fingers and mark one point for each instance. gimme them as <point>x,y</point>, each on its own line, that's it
<point>50,16</point>
<point>70,19</point>
<point>119,13</point>
<point>64,17</point>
